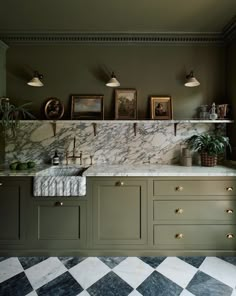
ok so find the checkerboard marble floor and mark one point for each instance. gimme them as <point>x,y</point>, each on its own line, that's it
<point>118,276</point>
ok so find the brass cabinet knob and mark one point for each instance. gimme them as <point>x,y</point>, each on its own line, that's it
<point>230,235</point>
<point>229,211</point>
<point>229,188</point>
<point>120,183</point>
<point>179,236</point>
<point>179,211</point>
<point>1,184</point>
<point>179,188</point>
<point>59,204</point>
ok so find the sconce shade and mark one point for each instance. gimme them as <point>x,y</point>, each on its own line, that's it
<point>113,82</point>
<point>191,81</point>
<point>36,80</point>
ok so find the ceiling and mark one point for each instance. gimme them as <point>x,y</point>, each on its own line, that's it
<point>116,15</point>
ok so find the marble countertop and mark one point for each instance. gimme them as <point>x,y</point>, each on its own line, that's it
<point>145,170</point>
<point>5,171</point>
<point>154,170</point>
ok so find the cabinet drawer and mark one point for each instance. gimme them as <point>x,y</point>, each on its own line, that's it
<point>195,210</point>
<point>195,236</point>
<point>194,187</point>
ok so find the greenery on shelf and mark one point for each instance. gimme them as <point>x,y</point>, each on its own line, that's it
<point>211,144</point>
<point>10,115</point>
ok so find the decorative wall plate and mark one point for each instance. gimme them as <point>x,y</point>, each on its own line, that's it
<point>54,109</point>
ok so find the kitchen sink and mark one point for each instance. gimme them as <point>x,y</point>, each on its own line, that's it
<point>60,181</point>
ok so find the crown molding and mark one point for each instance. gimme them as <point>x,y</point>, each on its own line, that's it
<point>229,31</point>
<point>175,38</point>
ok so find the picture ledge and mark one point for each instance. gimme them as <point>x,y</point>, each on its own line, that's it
<point>132,121</point>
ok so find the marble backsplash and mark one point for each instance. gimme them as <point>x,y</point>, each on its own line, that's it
<point>114,143</point>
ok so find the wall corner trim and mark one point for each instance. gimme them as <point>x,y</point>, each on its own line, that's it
<point>3,45</point>
<point>229,31</point>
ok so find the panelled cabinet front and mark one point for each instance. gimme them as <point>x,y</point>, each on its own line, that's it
<point>58,223</point>
<point>119,212</point>
<point>13,195</point>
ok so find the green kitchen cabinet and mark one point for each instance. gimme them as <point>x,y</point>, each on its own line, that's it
<point>58,223</point>
<point>13,202</point>
<point>119,212</point>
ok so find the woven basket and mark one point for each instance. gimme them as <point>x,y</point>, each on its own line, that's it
<point>208,160</point>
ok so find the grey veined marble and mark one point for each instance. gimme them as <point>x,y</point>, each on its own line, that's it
<point>59,186</point>
<point>114,142</point>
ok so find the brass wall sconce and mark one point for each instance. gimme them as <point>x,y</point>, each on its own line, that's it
<point>36,80</point>
<point>113,82</point>
<point>191,81</point>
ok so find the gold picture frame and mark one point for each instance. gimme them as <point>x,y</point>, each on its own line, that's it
<point>87,107</point>
<point>125,104</point>
<point>161,108</point>
<point>54,109</point>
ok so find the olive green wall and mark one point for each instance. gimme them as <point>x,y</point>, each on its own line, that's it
<point>231,90</point>
<point>84,69</point>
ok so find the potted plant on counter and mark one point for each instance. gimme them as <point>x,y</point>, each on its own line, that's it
<point>209,146</point>
<point>10,115</point>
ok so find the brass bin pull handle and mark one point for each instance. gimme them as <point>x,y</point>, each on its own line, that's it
<point>120,183</point>
<point>179,188</point>
<point>179,211</point>
<point>229,211</point>
<point>179,236</point>
<point>229,188</point>
<point>230,235</point>
<point>59,204</point>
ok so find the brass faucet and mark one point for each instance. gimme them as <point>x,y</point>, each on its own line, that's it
<point>74,156</point>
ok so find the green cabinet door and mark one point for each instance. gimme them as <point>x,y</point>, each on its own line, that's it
<point>12,210</point>
<point>58,224</point>
<point>119,212</point>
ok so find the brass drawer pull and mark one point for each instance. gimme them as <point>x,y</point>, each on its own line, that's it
<point>230,235</point>
<point>179,236</point>
<point>229,189</point>
<point>179,211</point>
<point>229,211</point>
<point>179,188</point>
<point>59,204</point>
<point>120,183</point>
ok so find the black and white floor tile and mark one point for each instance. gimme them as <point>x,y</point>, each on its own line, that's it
<point>118,276</point>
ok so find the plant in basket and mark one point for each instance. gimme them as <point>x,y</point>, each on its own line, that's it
<point>209,146</point>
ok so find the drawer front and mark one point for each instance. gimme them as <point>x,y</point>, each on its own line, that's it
<point>195,236</point>
<point>195,210</point>
<point>193,187</point>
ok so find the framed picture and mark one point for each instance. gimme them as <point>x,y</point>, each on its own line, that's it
<point>87,107</point>
<point>161,108</point>
<point>125,104</point>
<point>54,109</point>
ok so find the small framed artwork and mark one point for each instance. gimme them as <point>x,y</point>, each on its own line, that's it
<point>161,108</point>
<point>125,104</point>
<point>54,109</point>
<point>87,107</point>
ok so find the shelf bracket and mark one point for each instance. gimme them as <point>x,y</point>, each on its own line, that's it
<point>54,127</point>
<point>94,128</point>
<point>175,128</point>
<point>135,128</point>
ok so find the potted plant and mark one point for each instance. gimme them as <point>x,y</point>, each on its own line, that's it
<point>10,115</point>
<point>209,146</point>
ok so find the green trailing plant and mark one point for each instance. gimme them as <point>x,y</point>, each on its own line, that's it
<point>213,145</point>
<point>10,115</point>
